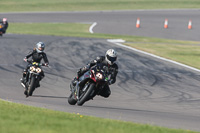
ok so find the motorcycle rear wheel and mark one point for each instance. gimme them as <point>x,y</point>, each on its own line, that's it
<point>71,100</point>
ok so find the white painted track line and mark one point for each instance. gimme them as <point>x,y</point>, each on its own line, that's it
<point>92,26</point>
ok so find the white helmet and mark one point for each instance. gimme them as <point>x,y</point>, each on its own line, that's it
<point>111,56</point>
<point>4,20</point>
<point>40,47</point>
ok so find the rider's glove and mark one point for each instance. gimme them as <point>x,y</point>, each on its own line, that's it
<point>46,64</point>
<point>79,73</point>
<point>25,59</point>
<point>82,70</point>
<point>85,68</point>
<point>109,82</point>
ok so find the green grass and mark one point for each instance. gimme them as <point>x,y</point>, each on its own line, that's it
<point>187,52</point>
<point>184,53</point>
<point>85,5</point>
<point>18,118</point>
<point>57,29</point>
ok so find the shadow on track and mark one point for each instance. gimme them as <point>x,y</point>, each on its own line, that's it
<point>49,96</point>
<point>124,109</point>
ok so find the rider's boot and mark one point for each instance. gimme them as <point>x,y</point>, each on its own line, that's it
<point>37,84</point>
<point>23,83</point>
<point>75,80</point>
<point>25,92</point>
<point>23,80</point>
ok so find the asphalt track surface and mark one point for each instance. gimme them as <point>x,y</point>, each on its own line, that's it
<point>124,22</point>
<point>147,90</point>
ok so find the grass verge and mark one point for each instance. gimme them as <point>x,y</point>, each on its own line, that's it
<point>186,54</point>
<point>18,118</point>
<point>86,5</point>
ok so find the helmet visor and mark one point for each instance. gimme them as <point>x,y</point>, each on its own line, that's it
<point>111,59</point>
<point>41,48</point>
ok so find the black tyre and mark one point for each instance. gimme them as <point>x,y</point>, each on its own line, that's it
<point>71,100</point>
<point>85,96</point>
<point>25,92</point>
<point>32,86</point>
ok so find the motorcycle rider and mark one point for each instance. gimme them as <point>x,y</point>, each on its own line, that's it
<point>4,22</point>
<point>37,55</point>
<point>109,61</point>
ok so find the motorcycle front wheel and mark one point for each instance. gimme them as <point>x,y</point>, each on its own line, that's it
<point>32,86</point>
<point>86,95</point>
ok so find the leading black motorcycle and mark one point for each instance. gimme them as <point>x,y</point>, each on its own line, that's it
<point>89,85</point>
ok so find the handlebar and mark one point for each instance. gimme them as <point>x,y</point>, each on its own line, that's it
<point>40,64</point>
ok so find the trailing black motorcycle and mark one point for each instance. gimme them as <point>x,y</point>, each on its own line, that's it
<point>33,76</point>
<point>89,85</point>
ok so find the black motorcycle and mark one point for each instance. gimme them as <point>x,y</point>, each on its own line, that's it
<point>33,76</point>
<point>89,85</point>
<point>1,29</point>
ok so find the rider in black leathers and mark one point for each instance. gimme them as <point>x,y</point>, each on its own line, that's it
<point>108,60</point>
<point>4,22</point>
<point>37,55</point>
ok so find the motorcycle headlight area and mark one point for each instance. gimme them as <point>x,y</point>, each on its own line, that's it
<point>99,76</point>
<point>32,68</point>
<point>38,70</point>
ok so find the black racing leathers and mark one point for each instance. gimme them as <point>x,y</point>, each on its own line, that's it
<point>112,70</point>
<point>37,57</point>
<point>5,26</point>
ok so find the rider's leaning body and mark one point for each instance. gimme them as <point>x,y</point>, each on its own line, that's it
<point>107,60</point>
<point>37,55</point>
